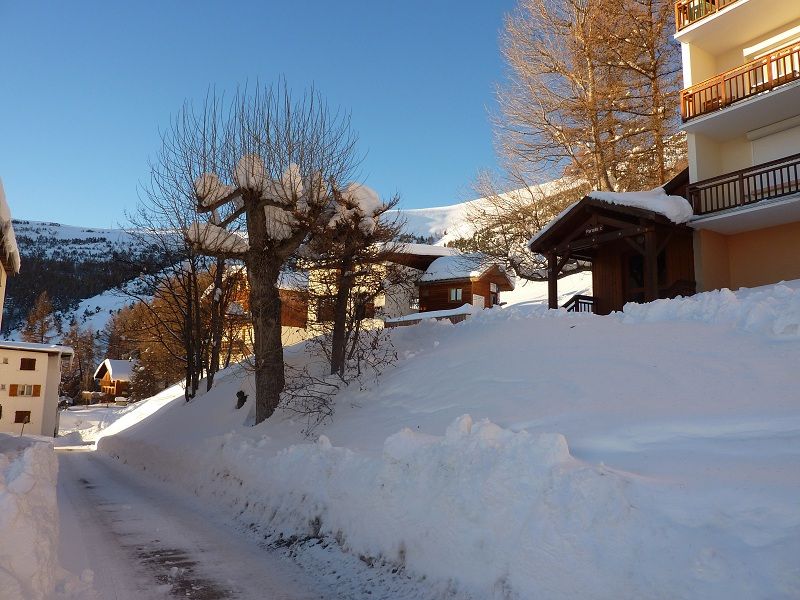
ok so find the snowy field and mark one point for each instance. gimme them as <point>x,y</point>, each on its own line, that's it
<point>527,453</point>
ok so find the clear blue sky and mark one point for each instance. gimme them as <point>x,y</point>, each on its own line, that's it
<point>85,87</point>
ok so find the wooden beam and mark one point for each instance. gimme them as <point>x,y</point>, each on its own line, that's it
<point>635,245</point>
<point>603,238</point>
<point>650,265</point>
<point>552,280</point>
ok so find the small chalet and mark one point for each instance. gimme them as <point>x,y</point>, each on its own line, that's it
<point>452,281</point>
<point>114,376</point>
<point>638,244</point>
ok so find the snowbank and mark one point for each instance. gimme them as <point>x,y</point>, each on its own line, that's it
<point>649,453</point>
<point>7,237</point>
<point>28,519</point>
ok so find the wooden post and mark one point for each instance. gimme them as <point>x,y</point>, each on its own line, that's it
<point>650,265</point>
<point>552,280</point>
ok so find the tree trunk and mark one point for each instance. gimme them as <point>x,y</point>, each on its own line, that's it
<point>338,339</point>
<point>263,269</point>
<point>217,324</point>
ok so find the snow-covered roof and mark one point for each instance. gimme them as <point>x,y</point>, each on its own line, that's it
<point>676,208</point>
<point>119,370</point>
<point>33,347</point>
<point>9,252</point>
<point>424,250</point>
<point>466,309</point>
<point>460,266</point>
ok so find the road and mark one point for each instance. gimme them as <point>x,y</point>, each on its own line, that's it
<point>143,541</point>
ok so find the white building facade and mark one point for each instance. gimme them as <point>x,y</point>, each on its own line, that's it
<point>741,113</point>
<point>30,374</point>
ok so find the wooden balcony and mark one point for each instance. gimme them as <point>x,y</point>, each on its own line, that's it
<point>757,76</point>
<point>748,186</point>
<point>691,11</point>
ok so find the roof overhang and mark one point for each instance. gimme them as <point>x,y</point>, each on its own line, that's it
<point>571,224</point>
<point>50,349</point>
<point>767,213</point>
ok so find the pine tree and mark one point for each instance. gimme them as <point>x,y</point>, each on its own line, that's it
<point>40,322</point>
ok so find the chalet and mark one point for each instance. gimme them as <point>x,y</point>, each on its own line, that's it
<point>741,225</point>
<point>638,245</point>
<point>456,285</point>
<point>113,377</point>
<point>293,292</point>
<point>30,374</point>
<point>452,281</point>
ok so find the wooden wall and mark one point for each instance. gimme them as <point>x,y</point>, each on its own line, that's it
<point>436,296</point>
<point>294,308</point>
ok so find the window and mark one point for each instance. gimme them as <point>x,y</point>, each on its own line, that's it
<point>2,386</point>
<point>5,360</point>
<point>22,389</point>
<point>22,416</point>
<point>1,412</point>
<point>455,294</point>
<point>27,364</point>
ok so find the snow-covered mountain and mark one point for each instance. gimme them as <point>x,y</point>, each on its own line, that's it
<point>72,264</point>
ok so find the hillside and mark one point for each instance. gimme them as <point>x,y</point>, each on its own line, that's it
<point>72,264</point>
<point>525,453</point>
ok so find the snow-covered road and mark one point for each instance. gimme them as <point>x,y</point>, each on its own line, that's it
<point>143,541</point>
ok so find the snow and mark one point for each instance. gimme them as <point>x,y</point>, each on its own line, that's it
<point>280,223</point>
<point>216,239</point>
<point>210,190</point>
<point>33,347</point>
<point>7,232</point>
<point>119,370</point>
<point>423,249</point>
<point>530,453</point>
<point>460,266</point>
<point>466,309</point>
<point>29,529</point>
<point>251,173</point>
<point>675,208</point>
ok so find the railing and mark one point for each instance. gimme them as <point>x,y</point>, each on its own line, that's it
<point>579,303</point>
<point>691,11</point>
<point>762,182</point>
<point>761,75</point>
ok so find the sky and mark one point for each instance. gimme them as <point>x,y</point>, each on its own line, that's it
<point>86,86</point>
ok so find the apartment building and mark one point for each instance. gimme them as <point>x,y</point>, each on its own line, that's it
<point>741,113</point>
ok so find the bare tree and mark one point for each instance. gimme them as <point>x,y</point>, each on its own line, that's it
<point>41,323</point>
<point>261,168</point>
<point>590,92</point>
<point>502,222</point>
<point>351,268</point>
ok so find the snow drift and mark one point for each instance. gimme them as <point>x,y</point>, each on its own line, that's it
<point>29,568</point>
<point>532,453</point>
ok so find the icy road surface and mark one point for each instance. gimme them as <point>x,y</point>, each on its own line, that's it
<point>142,542</point>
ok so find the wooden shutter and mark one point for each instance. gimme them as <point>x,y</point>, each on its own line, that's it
<point>37,391</point>
<point>12,389</point>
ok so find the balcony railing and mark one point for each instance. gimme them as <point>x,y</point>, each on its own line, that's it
<point>740,188</point>
<point>580,303</point>
<point>761,75</point>
<point>691,11</point>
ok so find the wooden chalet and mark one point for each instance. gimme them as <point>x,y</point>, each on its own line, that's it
<point>452,281</point>
<point>114,377</point>
<point>636,254</point>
